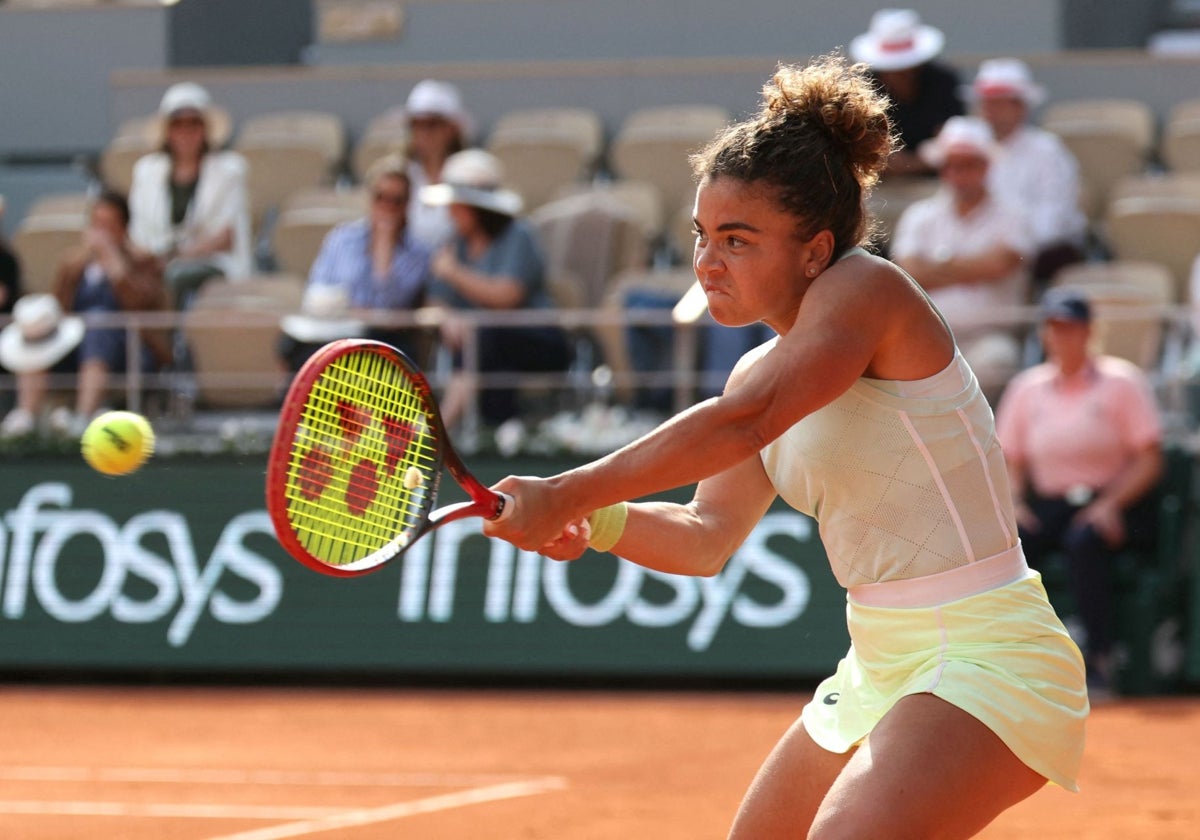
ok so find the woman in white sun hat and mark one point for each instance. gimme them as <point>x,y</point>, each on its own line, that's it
<point>901,52</point>
<point>189,202</point>
<point>493,262</point>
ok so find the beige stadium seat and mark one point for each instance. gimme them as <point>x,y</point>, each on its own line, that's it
<point>288,151</point>
<point>305,219</point>
<point>1180,144</point>
<point>134,138</point>
<point>593,236</point>
<point>52,225</point>
<point>232,329</point>
<point>1130,299</point>
<point>1111,138</point>
<point>640,198</point>
<point>1163,229</point>
<point>386,134</point>
<point>543,149</point>
<point>653,144</point>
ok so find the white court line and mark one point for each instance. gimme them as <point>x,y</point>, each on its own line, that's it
<point>163,809</point>
<point>201,776</point>
<point>369,816</point>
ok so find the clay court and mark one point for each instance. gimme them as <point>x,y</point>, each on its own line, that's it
<point>137,763</point>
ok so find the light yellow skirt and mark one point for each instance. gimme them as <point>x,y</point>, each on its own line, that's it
<point>1001,654</point>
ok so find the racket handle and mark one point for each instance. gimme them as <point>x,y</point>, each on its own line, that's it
<point>507,504</point>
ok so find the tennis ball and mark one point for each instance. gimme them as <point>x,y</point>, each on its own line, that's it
<point>117,442</point>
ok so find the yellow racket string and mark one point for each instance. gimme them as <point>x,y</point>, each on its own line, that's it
<point>362,461</point>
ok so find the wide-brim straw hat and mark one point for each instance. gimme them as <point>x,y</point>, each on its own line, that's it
<point>323,317</point>
<point>189,96</point>
<point>39,336</point>
<point>475,178</point>
<point>897,40</point>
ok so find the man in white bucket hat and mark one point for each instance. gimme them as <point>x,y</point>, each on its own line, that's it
<point>901,50</point>
<point>968,250</point>
<point>1032,169</point>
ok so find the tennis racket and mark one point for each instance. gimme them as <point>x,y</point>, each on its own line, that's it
<point>357,459</point>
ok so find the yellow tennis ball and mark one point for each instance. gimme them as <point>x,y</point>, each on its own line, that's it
<point>117,442</point>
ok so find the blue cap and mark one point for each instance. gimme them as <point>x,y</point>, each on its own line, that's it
<point>1066,305</point>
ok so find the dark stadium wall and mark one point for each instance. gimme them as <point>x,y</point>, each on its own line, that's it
<point>216,33</point>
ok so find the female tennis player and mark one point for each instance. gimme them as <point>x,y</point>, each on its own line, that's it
<point>961,694</point>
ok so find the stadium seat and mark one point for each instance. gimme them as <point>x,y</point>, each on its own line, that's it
<point>1111,138</point>
<point>385,134</point>
<point>306,217</point>
<point>593,235</point>
<point>232,328</point>
<point>288,151</point>
<point>1162,229</point>
<point>134,138</point>
<point>653,145</point>
<point>52,225</point>
<point>640,198</point>
<point>543,149</point>
<point>1180,145</point>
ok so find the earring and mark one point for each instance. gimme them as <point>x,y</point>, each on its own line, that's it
<point>812,272</point>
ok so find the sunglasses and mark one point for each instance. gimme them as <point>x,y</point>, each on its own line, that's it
<point>185,122</point>
<point>393,199</point>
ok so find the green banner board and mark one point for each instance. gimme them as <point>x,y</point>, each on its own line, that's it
<point>176,569</point>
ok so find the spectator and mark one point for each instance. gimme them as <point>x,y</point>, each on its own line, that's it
<point>1082,437</point>
<point>107,273</point>
<point>373,263</point>
<point>492,263</point>
<point>968,251</point>
<point>439,126</point>
<point>1032,169</point>
<point>900,50</point>
<point>10,290</point>
<point>189,201</point>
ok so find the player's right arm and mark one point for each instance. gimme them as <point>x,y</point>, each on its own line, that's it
<point>696,538</point>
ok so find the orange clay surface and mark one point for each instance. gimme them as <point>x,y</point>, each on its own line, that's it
<point>135,763</point>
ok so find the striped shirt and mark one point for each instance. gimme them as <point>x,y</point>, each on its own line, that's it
<point>345,261</point>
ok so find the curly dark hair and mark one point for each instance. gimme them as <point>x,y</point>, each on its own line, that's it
<point>819,142</point>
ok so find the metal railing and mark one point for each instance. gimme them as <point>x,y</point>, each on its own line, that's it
<point>583,325</point>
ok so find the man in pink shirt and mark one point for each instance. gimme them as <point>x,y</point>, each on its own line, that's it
<point>1082,437</point>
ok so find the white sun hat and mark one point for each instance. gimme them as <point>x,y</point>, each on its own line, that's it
<point>897,40</point>
<point>189,96</point>
<point>1008,77</point>
<point>39,335</point>
<point>324,317</point>
<point>473,177</point>
<point>433,98</point>
<point>960,135</point>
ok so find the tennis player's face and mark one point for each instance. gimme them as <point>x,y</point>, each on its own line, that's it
<point>747,255</point>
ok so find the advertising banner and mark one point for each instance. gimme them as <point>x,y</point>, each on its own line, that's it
<point>176,569</point>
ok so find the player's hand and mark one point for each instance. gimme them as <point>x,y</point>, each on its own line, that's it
<point>539,516</point>
<point>571,543</point>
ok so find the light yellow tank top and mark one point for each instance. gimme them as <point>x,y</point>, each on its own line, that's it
<point>905,479</point>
